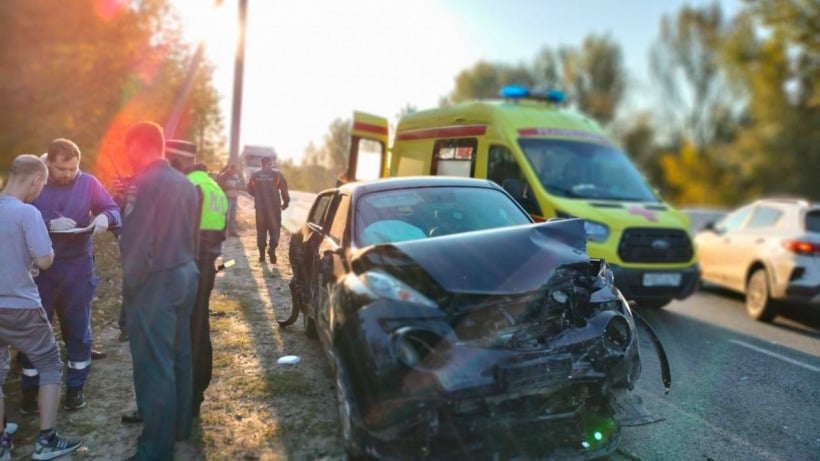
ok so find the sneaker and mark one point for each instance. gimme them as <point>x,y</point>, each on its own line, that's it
<point>29,404</point>
<point>5,447</point>
<point>56,446</point>
<point>74,399</point>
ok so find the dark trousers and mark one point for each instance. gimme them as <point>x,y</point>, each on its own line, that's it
<point>268,223</point>
<point>67,288</point>
<point>159,330</point>
<point>201,351</point>
<point>231,217</point>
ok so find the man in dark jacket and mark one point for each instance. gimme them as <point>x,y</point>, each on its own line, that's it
<point>158,247</point>
<point>270,196</point>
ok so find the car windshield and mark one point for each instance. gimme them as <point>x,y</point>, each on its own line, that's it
<point>584,169</point>
<point>410,214</point>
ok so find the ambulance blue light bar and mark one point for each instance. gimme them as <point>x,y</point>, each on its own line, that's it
<point>521,92</point>
<point>514,91</point>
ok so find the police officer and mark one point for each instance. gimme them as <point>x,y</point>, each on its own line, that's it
<point>71,202</point>
<point>212,224</point>
<point>270,196</point>
<point>160,277</point>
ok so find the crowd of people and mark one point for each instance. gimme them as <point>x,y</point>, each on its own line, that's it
<point>171,219</point>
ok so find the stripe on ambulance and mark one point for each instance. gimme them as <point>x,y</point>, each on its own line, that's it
<point>443,132</point>
<point>544,131</point>
<point>370,128</point>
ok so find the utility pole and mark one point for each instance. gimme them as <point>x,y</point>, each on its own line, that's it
<point>238,70</point>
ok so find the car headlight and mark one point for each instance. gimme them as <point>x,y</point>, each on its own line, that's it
<point>385,286</point>
<point>597,232</point>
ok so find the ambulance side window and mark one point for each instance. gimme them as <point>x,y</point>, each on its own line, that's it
<point>505,171</point>
<point>454,157</point>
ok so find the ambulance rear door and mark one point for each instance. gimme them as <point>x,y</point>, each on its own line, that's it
<point>368,147</point>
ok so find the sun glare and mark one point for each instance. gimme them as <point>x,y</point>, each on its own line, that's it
<point>206,22</point>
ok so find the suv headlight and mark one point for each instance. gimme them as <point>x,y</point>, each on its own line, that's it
<point>597,232</point>
<point>386,286</point>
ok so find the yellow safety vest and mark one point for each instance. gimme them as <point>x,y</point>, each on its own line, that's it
<point>214,202</point>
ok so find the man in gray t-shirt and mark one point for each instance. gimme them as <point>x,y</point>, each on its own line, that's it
<point>23,323</point>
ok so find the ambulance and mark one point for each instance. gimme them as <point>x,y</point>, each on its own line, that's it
<point>556,163</point>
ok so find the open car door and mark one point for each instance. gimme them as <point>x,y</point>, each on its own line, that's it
<point>368,148</point>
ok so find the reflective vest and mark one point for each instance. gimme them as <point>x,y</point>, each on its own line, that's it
<point>214,202</point>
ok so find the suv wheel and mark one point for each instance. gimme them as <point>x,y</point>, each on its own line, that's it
<point>759,303</point>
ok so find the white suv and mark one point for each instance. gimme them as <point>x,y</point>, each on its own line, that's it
<point>769,250</point>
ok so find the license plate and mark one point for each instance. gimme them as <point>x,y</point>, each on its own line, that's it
<point>661,279</point>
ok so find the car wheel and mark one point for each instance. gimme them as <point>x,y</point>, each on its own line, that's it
<point>653,303</point>
<point>759,303</point>
<point>349,417</point>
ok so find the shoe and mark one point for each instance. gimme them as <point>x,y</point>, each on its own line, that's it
<point>56,446</point>
<point>123,336</point>
<point>98,355</point>
<point>132,417</point>
<point>5,447</point>
<point>261,257</point>
<point>28,406</point>
<point>272,257</point>
<point>74,399</point>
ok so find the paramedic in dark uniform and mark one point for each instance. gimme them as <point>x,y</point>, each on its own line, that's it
<point>212,226</point>
<point>71,200</point>
<point>158,249</point>
<point>270,196</point>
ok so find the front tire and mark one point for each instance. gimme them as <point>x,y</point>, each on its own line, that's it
<point>354,439</point>
<point>759,303</point>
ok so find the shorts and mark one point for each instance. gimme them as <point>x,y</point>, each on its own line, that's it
<point>29,331</point>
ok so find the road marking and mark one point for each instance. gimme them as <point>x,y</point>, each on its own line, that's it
<point>775,355</point>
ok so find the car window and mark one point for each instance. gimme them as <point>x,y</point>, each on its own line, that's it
<point>409,214</point>
<point>337,227</point>
<point>733,220</point>
<point>813,221</point>
<point>319,208</point>
<point>763,217</point>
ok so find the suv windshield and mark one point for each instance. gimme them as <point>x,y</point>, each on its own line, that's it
<point>582,169</point>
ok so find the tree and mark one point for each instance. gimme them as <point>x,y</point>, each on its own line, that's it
<point>596,77</point>
<point>484,80</point>
<point>89,71</point>
<point>777,68</point>
<point>686,64</point>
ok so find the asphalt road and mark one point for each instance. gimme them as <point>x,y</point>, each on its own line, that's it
<point>741,389</point>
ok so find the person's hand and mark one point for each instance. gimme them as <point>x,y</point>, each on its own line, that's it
<point>284,206</point>
<point>35,271</point>
<point>100,224</point>
<point>61,224</point>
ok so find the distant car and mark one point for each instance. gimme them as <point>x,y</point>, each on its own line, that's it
<point>453,323</point>
<point>700,217</point>
<point>769,250</point>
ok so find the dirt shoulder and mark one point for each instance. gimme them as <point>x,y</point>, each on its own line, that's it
<point>254,408</point>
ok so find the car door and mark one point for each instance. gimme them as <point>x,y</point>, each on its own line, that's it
<point>754,241</point>
<point>715,245</point>
<point>332,266</point>
<point>313,233</point>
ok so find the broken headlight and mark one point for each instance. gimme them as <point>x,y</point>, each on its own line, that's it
<point>382,285</point>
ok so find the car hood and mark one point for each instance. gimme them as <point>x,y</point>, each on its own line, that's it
<point>496,261</point>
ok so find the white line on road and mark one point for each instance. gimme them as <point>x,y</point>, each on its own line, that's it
<point>775,355</point>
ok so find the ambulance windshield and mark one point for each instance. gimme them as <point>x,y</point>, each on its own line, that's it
<point>584,169</point>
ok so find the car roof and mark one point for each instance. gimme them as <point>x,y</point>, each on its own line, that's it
<point>409,182</point>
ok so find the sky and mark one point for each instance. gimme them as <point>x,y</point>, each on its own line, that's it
<point>310,62</point>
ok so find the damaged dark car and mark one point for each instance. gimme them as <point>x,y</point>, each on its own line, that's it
<point>457,327</point>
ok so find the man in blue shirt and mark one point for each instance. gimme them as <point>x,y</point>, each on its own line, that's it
<point>75,208</point>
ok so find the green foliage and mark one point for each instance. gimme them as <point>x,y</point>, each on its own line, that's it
<point>87,71</point>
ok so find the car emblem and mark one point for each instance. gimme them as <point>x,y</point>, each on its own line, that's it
<point>640,211</point>
<point>661,245</point>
